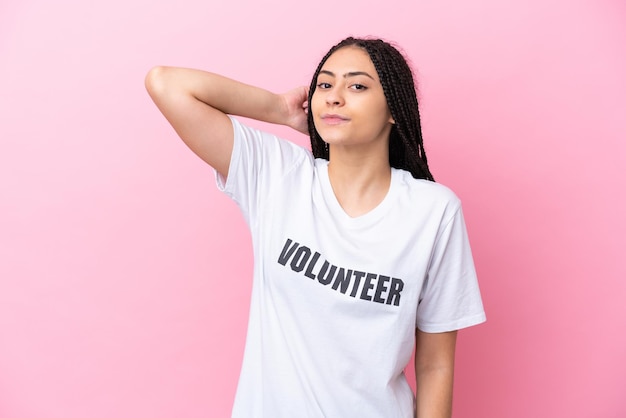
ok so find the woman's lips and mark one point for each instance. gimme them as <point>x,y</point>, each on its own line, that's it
<point>332,119</point>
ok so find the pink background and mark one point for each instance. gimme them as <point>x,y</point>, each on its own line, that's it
<point>124,274</point>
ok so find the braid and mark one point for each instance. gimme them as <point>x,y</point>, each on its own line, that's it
<point>406,147</point>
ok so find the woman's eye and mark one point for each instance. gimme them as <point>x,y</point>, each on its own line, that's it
<point>358,87</point>
<point>323,85</point>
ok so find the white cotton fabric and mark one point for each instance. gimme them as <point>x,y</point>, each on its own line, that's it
<point>335,299</point>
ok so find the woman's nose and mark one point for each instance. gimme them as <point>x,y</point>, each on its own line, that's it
<point>334,98</point>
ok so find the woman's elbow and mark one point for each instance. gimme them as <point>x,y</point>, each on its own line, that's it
<point>153,77</point>
<point>156,80</point>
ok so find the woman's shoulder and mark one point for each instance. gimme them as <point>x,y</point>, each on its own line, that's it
<point>426,190</point>
<point>268,141</point>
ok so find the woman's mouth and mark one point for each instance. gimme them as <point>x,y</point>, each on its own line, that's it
<point>334,119</point>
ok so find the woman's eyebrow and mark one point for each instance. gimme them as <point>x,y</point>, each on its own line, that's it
<point>346,75</point>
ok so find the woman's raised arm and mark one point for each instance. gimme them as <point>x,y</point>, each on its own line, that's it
<point>196,104</point>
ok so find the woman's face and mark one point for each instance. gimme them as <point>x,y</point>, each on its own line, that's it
<point>348,104</point>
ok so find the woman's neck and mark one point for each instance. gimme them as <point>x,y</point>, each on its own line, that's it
<point>360,181</point>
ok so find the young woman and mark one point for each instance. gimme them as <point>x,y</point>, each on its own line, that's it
<point>359,255</point>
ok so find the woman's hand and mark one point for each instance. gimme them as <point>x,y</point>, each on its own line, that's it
<point>296,108</point>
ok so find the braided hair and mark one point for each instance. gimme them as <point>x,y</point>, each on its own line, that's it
<point>406,148</point>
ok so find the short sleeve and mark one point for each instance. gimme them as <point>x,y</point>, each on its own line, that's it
<point>450,298</point>
<point>258,162</point>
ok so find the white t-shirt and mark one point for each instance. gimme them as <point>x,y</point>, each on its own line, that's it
<point>335,299</point>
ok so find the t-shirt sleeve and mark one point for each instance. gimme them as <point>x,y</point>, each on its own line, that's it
<point>450,298</point>
<point>258,162</point>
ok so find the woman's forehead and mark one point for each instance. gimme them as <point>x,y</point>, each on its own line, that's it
<point>349,59</point>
